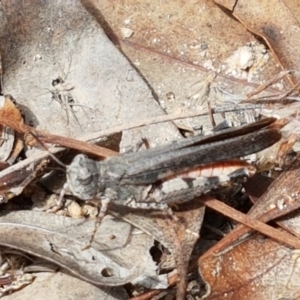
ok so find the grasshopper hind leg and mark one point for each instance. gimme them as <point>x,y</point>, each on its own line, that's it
<point>104,206</point>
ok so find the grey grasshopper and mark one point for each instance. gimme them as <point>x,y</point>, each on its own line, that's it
<point>169,174</point>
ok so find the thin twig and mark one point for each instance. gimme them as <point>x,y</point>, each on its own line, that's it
<point>165,118</point>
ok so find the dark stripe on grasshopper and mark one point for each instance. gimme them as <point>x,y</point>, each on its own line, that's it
<point>200,139</point>
<point>148,166</point>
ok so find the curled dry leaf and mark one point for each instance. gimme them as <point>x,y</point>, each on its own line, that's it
<point>110,261</point>
<point>177,237</point>
<point>13,182</point>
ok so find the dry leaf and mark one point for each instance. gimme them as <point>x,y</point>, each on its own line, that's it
<point>258,268</point>
<point>110,261</point>
<point>276,22</point>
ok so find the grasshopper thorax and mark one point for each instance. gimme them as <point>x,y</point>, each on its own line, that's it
<point>82,177</point>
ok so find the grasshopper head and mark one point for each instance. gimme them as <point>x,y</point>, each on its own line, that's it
<point>82,177</point>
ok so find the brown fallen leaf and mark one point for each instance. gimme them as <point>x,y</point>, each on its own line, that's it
<point>274,21</point>
<point>11,142</point>
<point>259,268</point>
<point>169,52</point>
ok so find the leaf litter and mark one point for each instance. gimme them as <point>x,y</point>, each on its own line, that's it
<point>176,241</point>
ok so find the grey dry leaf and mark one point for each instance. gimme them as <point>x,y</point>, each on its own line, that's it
<point>56,286</point>
<point>46,235</point>
<point>69,49</point>
<point>104,93</point>
<point>166,231</point>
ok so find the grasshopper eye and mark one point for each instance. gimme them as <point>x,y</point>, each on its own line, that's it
<point>84,172</point>
<point>85,175</point>
<point>82,177</point>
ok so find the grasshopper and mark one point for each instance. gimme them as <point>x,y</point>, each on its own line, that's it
<point>170,174</point>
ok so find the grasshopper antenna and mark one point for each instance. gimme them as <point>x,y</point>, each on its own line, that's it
<point>65,187</point>
<point>35,136</point>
